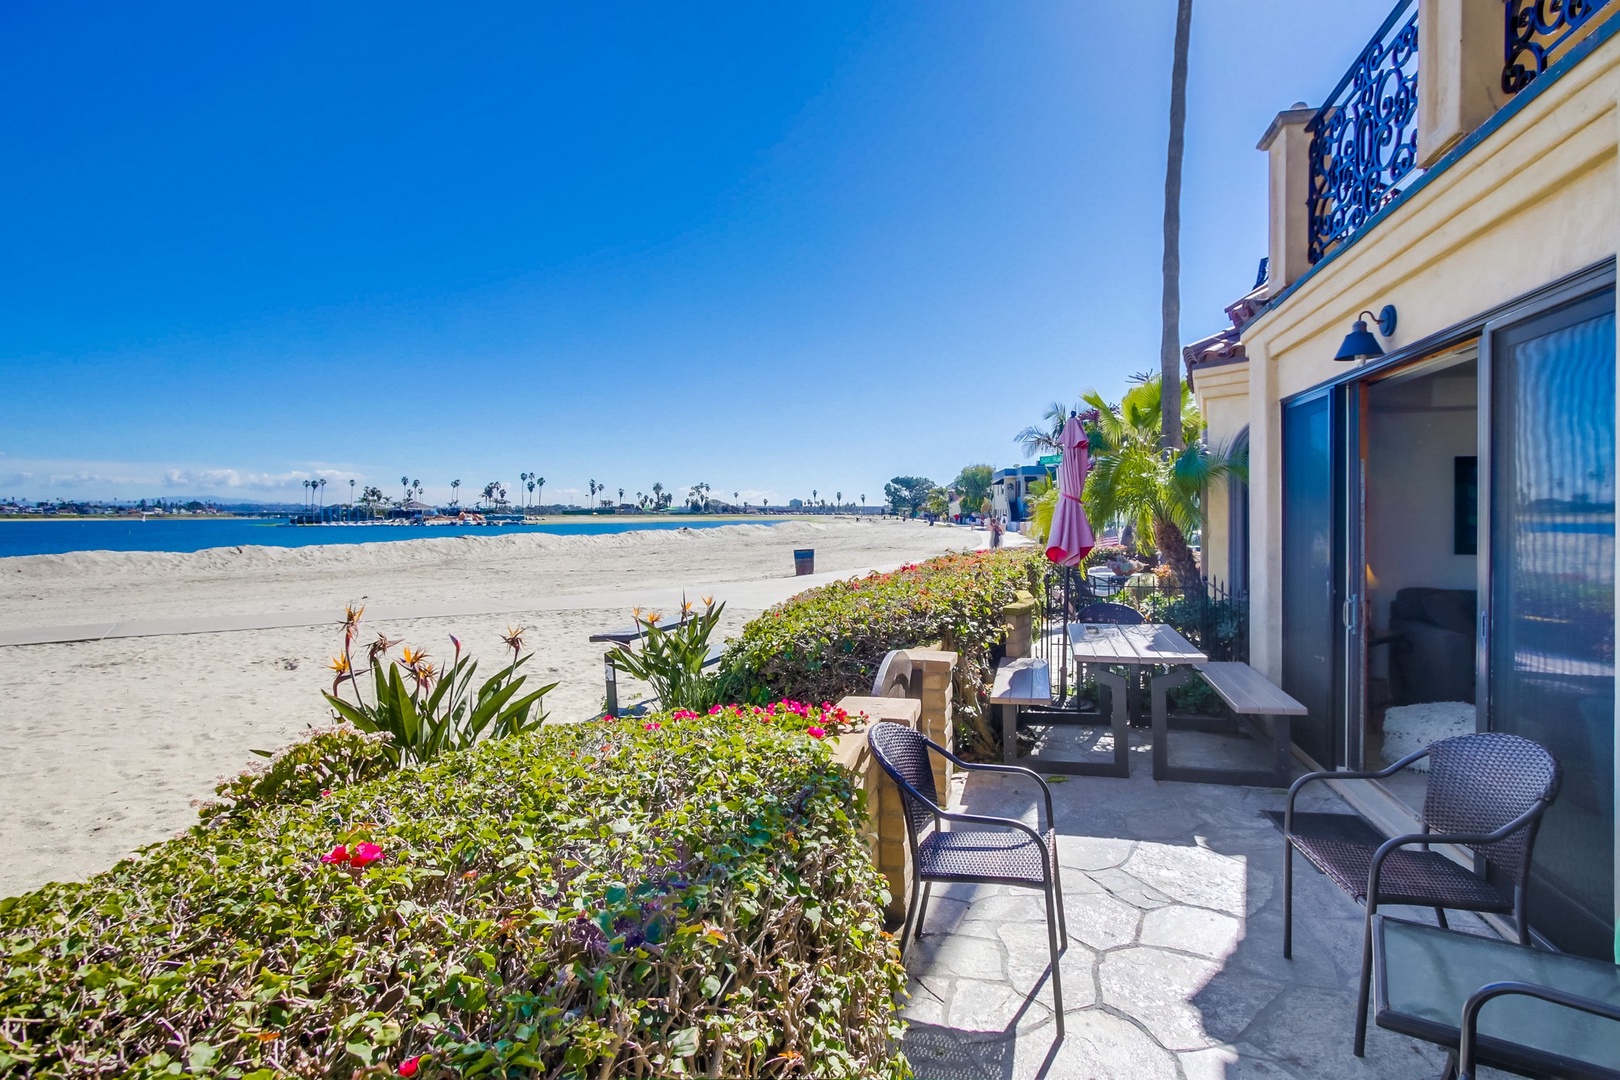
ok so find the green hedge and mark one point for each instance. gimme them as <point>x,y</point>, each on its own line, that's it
<point>829,641</point>
<point>681,895</point>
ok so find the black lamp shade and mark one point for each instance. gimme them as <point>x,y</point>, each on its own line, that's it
<point>1359,344</point>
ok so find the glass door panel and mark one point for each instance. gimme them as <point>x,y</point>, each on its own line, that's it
<point>1549,650</point>
<point>1310,615</point>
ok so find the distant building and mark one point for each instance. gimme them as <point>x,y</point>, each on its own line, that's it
<point>1009,491</point>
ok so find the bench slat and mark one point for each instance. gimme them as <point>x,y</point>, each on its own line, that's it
<point>1022,681</point>
<point>1247,691</point>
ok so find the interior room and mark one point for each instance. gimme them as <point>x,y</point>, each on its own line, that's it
<point>1420,484</point>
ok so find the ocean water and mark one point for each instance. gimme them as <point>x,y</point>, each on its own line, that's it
<point>194,534</point>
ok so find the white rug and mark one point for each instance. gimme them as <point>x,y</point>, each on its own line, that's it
<point>1408,728</point>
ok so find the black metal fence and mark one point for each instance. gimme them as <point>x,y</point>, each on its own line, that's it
<point>1214,618</point>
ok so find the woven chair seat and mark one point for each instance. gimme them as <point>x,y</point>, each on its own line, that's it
<point>997,855</point>
<point>1410,875</point>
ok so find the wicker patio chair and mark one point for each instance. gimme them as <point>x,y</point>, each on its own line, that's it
<point>1106,612</point>
<point>976,848</point>
<point>1487,792</point>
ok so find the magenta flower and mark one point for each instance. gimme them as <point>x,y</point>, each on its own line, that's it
<point>652,725</point>
<point>815,732</point>
<point>410,1066</point>
<point>364,855</point>
<point>337,856</point>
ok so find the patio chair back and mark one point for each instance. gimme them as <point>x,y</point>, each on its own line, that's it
<point>903,754</point>
<point>897,677</point>
<point>1118,614</point>
<point>1478,783</point>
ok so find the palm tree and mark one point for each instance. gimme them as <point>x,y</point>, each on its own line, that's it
<point>839,500</point>
<point>523,478</point>
<point>455,492</point>
<point>531,492</point>
<point>658,495</point>
<point>489,492</point>
<point>1042,438</point>
<point>405,482</point>
<point>323,492</point>
<point>417,486</point>
<point>1158,491</point>
<point>592,503</point>
<point>621,495</point>
<point>1170,335</point>
<point>539,490</point>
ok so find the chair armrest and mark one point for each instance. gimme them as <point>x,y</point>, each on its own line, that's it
<point>1409,839</point>
<point>998,822</point>
<point>1468,1050</point>
<point>973,766</point>
<point>1328,774</point>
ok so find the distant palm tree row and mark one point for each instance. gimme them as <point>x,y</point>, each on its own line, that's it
<point>531,486</point>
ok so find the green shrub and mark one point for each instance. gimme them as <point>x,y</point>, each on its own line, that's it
<point>325,758</point>
<point>681,896</point>
<point>828,642</point>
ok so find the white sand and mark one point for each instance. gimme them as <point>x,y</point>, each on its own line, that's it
<point>104,744</point>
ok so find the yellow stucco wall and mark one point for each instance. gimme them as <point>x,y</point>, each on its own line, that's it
<point>1537,200</point>
<point>1223,399</point>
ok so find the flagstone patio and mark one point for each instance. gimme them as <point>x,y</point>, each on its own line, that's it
<point>1174,968</point>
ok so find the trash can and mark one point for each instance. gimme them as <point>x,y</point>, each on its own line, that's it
<point>804,561</point>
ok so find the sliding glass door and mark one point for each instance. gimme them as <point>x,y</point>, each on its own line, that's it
<point>1548,662</point>
<point>1311,560</point>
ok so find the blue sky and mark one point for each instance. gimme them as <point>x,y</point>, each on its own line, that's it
<point>772,247</point>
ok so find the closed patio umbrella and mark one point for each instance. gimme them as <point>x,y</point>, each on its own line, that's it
<point>1071,540</point>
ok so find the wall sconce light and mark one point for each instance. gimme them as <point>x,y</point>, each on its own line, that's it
<point>1360,344</point>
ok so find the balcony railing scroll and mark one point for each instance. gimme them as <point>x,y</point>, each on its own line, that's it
<point>1363,149</point>
<point>1538,32</point>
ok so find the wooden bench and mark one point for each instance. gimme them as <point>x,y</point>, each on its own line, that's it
<point>1021,681</point>
<point>1248,694</point>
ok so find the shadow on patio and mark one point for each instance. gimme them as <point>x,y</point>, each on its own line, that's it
<point>1174,968</point>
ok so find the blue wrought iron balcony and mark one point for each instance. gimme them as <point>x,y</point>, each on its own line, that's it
<point>1364,141</point>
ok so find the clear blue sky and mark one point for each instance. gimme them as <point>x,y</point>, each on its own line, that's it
<point>769,246</point>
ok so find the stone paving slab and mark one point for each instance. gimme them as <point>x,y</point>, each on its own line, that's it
<point>1173,895</point>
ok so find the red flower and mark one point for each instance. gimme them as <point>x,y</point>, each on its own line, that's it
<point>326,792</point>
<point>652,725</point>
<point>364,855</point>
<point>409,1066</point>
<point>815,733</point>
<point>337,856</point>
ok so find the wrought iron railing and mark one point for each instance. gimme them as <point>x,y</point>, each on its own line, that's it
<point>1538,32</point>
<point>1214,618</point>
<point>1363,149</point>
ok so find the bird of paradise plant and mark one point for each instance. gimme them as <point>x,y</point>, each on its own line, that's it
<point>671,658</point>
<point>427,709</point>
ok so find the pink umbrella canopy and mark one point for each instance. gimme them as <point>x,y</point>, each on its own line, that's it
<point>1071,539</point>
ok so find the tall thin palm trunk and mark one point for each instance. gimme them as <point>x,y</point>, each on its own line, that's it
<point>1170,338</point>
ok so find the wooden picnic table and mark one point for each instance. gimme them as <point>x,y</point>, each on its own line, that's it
<point>1144,645</point>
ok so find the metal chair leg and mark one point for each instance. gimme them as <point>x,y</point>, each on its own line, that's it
<point>1365,987</point>
<point>911,914</point>
<point>1057,886</point>
<point>922,911</point>
<point>1288,899</point>
<point>1052,945</point>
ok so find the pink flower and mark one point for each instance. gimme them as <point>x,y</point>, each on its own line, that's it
<point>409,1066</point>
<point>815,733</point>
<point>364,855</point>
<point>337,856</point>
<point>715,710</point>
<point>652,725</point>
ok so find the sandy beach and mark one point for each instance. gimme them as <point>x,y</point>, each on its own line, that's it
<point>106,740</point>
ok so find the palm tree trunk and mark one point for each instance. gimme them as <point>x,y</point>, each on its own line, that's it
<point>1173,546</point>
<point>1170,337</point>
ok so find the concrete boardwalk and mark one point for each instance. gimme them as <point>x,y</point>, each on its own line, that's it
<point>1174,968</point>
